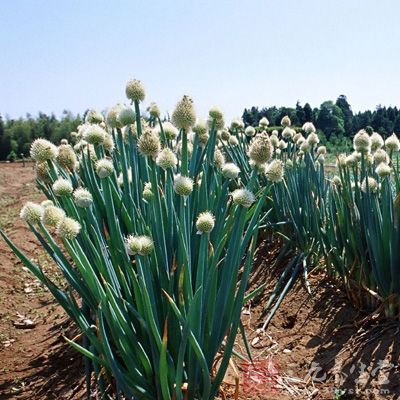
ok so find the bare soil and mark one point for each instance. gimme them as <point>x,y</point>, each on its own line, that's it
<point>315,343</point>
<point>35,362</point>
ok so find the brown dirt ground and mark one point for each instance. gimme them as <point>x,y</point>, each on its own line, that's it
<point>320,330</point>
<point>34,363</point>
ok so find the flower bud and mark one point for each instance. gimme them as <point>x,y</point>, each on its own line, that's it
<point>219,158</point>
<point>126,116</point>
<point>83,198</point>
<point>260,150</point>
<point>66,157</point>
<point>104,168</point>
<point>68,228</point>
<point>383,170</point>
<point>274,171</point>
<point>94,117</point>
<point>184,115</point>
<point>362,142</point>
<point>62,187</point>
<point>392,143</point>
<point>166,159</point>
<point>313,139</point>
<point>372,185</point>
<point>183,185</point>
<point>205,222</point>
<point>31,213</point>
<point>94,134</point>
<point>135,90</point>
<point>52,215</point>
<point>308,128</point>
<point>170,131</point>
<point>286,121</point>
<point>112,116</point>
<point>43,150</point>
<point>233,140</point>
<point>377,141</point>
<point>230,171</point>
<point>243,197</point>
<point>250,131</point>
<point>149,144</point>
<point>142,245</point>
<point>215,113</point>
<point>263,122</point>
<point>153,110</point>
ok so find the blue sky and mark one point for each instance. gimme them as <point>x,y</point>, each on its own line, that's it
<point>78,54</point>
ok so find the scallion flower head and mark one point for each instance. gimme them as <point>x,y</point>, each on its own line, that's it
<point>184,115</point>
<point>31,213</point>
<point>383,170</point>
<point>263,122</point>
<point>166,159</point>
<point>274,141</point>
<point>215,113</point>
<point>149,144</point>
<point>200,128</point>
<point>380,156</point>
<point>68,228</point>
<point>104,168</point>
<point>321,150</point>
<point>43,150</point>
<point>308,128</point>
<point>313,139</point>
<point>62,187</point>
<point>362,142</point>
<point>94,134</point>
<point>372,185</point>
<point>230,171</point>
<point>243,197</point>
<point>153,110</point>
<point>112,116</point>
<point>135,90</point>
<point>219,158</point>
<point>205,222</point>
<point>260,150</point>
<point>42,170</point>
<point>170,131</point>
<point>94,117</point>
<point>126,116</point>
<point>66,157</point>
<point>250,131</point>
<point>377,141</point>
<point>52,215</point>
<point>147,192</point>
<point>233,140</point>
<point>183,185</point>
<point>142,245</point>
<point>275,171</point>
<point>83,198</point>
<point>392,143</point>
<point>286,121</point>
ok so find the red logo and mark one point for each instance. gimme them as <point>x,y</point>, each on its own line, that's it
<point>259,377</point>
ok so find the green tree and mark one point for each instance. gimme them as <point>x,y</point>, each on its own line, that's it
<point>330,119</point>
<point>347,112</point>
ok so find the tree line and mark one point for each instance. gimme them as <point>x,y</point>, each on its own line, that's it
<point>16,135</point>
<point>335,121</point>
